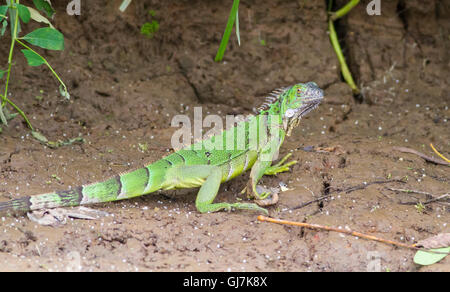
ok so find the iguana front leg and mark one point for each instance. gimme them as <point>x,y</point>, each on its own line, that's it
<point>262,167</point>
<point>280,167</point>
<point>208,177</point>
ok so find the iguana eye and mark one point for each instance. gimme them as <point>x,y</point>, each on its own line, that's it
<point>299,90</point>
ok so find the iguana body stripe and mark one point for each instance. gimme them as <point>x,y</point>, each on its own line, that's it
<point>250,144</point>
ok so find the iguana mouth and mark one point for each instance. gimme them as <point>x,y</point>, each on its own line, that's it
<point>313,97</point>
<point>309,106</point>
<point>309,103</point>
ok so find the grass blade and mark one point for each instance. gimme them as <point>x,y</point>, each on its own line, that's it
<point>227,33</point>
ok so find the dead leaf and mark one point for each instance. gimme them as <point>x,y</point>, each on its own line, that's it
<point>58,216</point>
<point>438,241</point>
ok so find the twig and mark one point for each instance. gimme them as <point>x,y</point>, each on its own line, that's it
<point>328,228</point>
<point>410,191</point>
<point>347,190</point>
<point>437,198</point>
<point>426,157</point>
<point>349,232</point>
<point>434,198</point>
<point>310,202</point>
<point>365,185</point>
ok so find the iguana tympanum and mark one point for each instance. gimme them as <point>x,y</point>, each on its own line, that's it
<point>205,164</point>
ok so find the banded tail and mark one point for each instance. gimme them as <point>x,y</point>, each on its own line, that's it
<point>124,186</point>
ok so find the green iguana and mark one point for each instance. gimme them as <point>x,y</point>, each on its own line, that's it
<point>200,164</point>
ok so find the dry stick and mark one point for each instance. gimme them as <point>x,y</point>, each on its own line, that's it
<point>328,228</point>
<point>437,199</point>
<point>426,157</point>
<point>365,185</point>
<point>433,197</point>
<point>347,190</point>
<point>411,191</point>
<point>310,202</point>
<point>349,232</point>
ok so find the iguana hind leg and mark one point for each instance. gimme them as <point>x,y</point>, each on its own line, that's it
<point>208,177</point>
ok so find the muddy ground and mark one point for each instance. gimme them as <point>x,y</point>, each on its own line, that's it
<point>126,88</point>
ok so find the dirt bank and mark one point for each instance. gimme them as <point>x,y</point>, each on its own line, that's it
<point>126,88</point>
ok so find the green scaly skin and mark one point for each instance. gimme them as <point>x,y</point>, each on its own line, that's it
<point>201,165</point>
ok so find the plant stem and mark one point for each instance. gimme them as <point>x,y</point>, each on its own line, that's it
<point>19,111</point>
<point>46,63</point>
<point>2,116</point>
<point>344,68</point>
<point>330,5</point>
<point>344,10</point>
<point>11,49</point>
<point>4,97</point>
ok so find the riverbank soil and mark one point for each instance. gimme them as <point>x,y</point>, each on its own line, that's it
<point>126,88</point>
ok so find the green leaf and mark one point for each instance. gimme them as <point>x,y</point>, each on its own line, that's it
<point>3,9</point>
<point>63,91</point>
<point>44,5</point>
<point>38,136</point>
<point>24,13</point>
<point>2,73</point>
<point>149,29</point>
<point>4,26</point>
<point>8,115</point>
<point>33,58</point>
<point>237,28</point>
<point>36,16</point>
<point>47,38</point>
<point>427,258</point>
<point>226,34</point>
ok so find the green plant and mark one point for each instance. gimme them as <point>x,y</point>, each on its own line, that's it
<point>232,19</point>
<point>335,42</point>
<point>420,207</point>
<point>48,38</point>
<point>150,28</point>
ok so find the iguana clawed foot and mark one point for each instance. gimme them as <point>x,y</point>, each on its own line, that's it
<point>269,198</point>
<point>280,167</point>
<point>261,195</point>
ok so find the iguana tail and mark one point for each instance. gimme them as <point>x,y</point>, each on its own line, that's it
<point>123,186</point>
<point>50,200</point>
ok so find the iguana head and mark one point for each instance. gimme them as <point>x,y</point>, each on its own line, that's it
<point>298,100</point>
<point>292,103</point>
